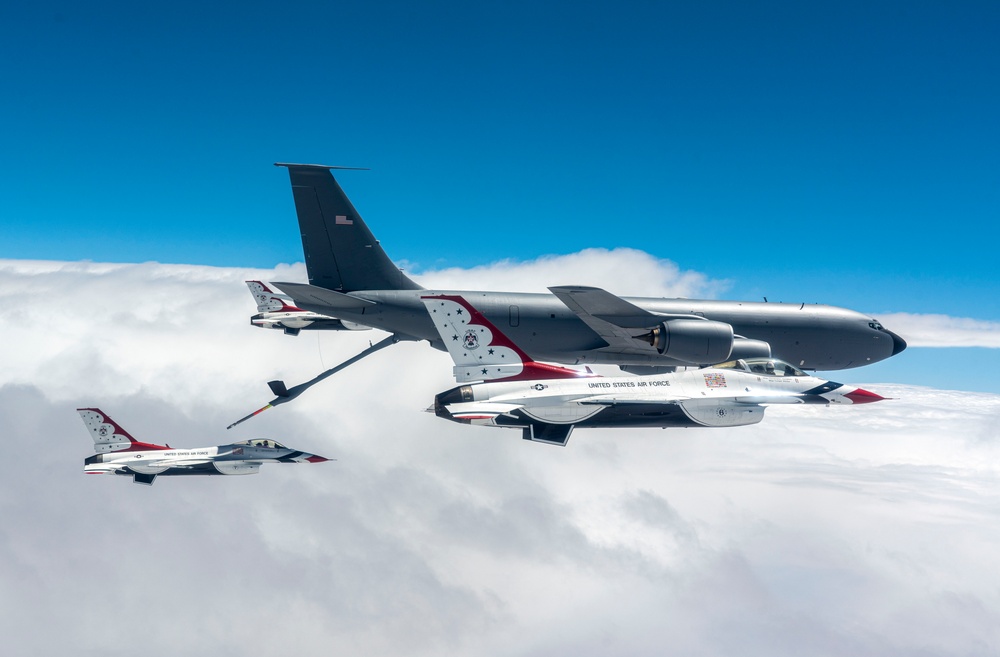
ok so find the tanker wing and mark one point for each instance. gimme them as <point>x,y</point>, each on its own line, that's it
<point>619,323</point>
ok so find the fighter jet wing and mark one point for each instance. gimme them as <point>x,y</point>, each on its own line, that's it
<point>149,468</point>
<point>615,401</point>
<point>619,323</point>
<point>320,299</point>
<point>162,465</point>
<point>774,399</point>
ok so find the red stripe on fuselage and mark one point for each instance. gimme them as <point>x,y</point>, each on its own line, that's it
<point>136,446</point>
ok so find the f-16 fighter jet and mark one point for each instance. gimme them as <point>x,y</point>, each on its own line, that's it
<point>274,312</point>
<point>548,401</point>
<point>121,454</point>
<point>351,278</point>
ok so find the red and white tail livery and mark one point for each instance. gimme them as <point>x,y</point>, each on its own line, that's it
<point>275,312</point>
<point>480,350</point>
<point>108,436</point>
<point>269,301</point>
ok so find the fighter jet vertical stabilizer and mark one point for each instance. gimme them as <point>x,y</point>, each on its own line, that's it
<point>480,350</point>
<point>274,312</point>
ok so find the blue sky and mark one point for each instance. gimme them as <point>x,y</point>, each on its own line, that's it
<point>840,152</point>
<point>844,153</point>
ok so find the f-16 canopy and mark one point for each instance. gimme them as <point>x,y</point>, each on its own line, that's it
<point>262,442</point>
<point>765,366</point>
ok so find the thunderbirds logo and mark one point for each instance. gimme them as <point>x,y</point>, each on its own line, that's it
<point>471,340</point>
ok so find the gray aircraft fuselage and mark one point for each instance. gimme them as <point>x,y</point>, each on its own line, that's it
<point>345,264</point>
<point>812,336</point>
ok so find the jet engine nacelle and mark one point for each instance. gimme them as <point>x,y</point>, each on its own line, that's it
<point>701,342</point>
<point>747,348</point>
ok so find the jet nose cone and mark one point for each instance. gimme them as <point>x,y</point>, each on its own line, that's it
<point>317,459</point>
<point>860,396</point>
<point>898,343</point>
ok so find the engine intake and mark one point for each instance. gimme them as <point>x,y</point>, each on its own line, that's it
<point>700,342</point>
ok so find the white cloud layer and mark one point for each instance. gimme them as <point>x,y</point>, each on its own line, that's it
<point>944,331</point>
<point>626,272</point>
<point>821,531</point>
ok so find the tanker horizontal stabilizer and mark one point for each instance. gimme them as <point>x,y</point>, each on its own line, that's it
<point>312,297</point>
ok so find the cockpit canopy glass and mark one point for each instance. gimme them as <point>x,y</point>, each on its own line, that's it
<point>762,366</point>
<point>262,442</point>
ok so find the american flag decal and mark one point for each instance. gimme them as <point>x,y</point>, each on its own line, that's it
<point>342,220</point>
<point>715,380</point>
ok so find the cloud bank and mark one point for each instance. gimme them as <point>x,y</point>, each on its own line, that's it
<point>821,531</point>
<point>626,272</point>
<point>944,331</point>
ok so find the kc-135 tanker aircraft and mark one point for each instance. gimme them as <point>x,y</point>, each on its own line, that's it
<point>548,401</point>
<point>120,454</point>
<point>354,285</point>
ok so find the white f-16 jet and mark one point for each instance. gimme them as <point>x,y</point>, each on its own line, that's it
<point>275,312</point>
<point>120,454</point>
<point>548,401</point>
